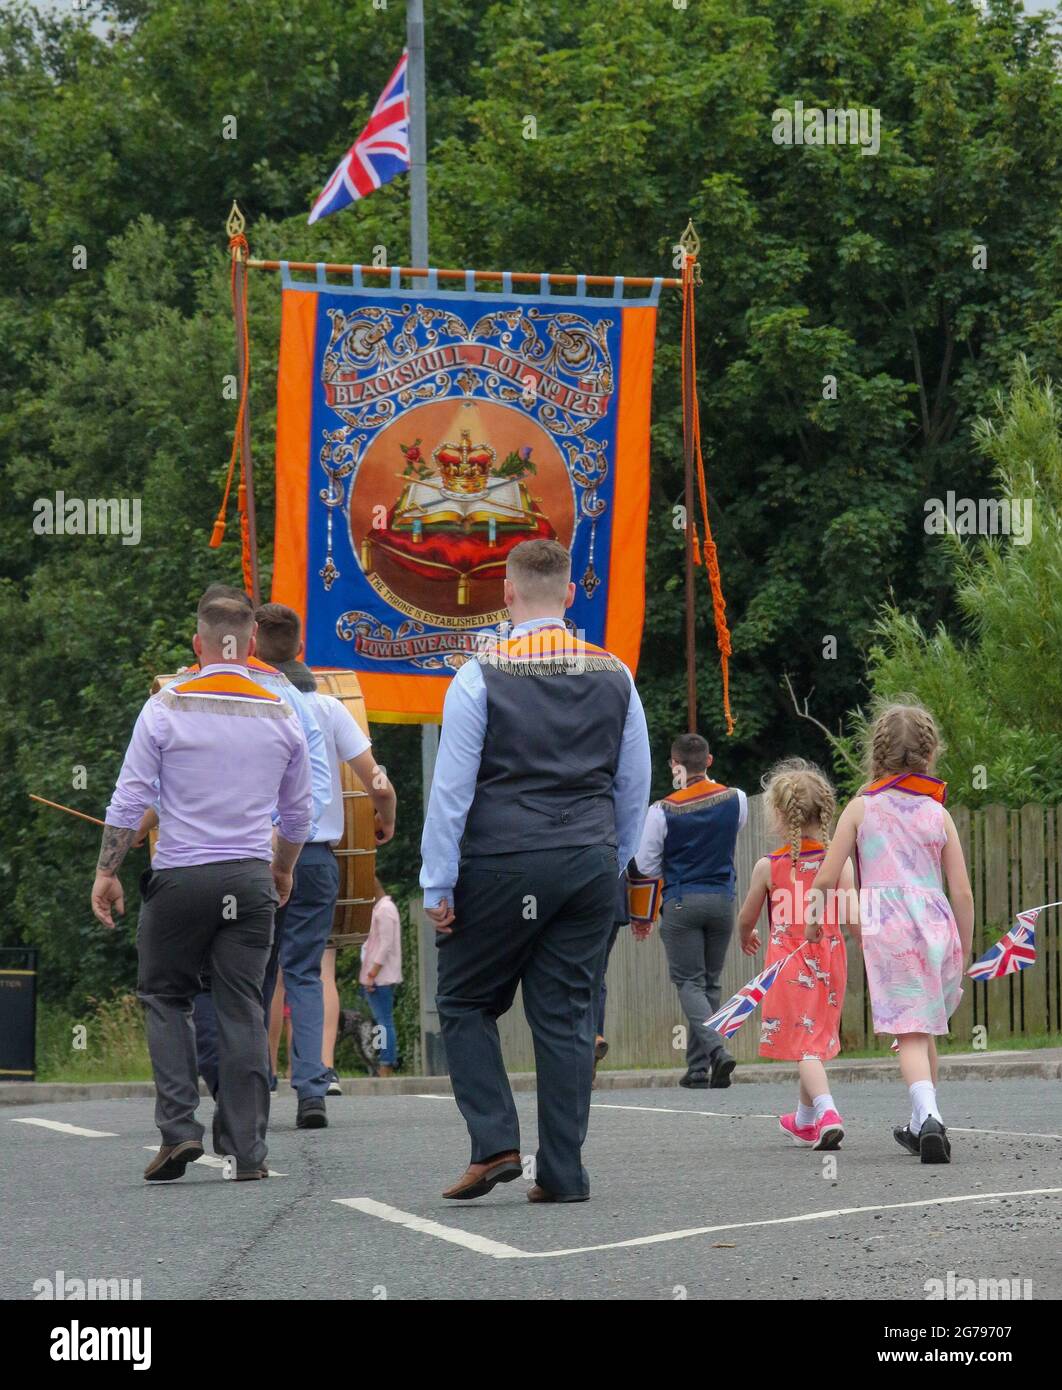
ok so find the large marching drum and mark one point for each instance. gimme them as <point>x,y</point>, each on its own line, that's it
<point>356,851</point>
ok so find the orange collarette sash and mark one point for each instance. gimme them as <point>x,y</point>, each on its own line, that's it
<point>807,849</point>
<point>914,783</point>
<point>546,651</point>
<point>226,683</point>
<point>695,791</point>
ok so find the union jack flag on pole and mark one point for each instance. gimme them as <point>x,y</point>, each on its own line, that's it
<point>1013,952</point>
<point>736,1010</point>
<point>379,153</point>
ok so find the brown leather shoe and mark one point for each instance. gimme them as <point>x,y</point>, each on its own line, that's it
<point>479,1178</point>
<point>539,1194</point>
<point>172,1159</point>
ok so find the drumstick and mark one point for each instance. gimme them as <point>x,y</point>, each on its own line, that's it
<point>58,806</point>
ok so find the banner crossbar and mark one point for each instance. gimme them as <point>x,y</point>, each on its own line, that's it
<point>617,283</point>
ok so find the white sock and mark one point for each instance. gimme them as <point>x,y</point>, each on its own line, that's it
<point>822,1104</point>
<point>923,1104</point>
<point>805,1114</point>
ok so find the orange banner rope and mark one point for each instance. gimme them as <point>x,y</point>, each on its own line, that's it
<point>238,250</point>
<point>691,422</point>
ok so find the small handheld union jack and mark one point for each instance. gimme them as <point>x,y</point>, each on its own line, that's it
<point>1013,952</point>
<point>736,1010</point>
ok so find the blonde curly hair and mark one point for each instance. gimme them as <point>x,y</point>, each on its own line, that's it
<point>903,738</point>
<point>800,794</point>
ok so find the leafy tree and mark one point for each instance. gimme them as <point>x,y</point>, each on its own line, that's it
<point>818,262</point>
<point>996,689</point>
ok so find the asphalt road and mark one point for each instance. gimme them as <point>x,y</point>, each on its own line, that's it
<point>661,1172</point>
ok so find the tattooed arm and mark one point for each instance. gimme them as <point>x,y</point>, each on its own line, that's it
<point>107,891</point>
<point>115,843</point>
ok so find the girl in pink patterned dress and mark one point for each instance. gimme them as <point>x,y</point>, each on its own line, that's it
<point>913,946</point>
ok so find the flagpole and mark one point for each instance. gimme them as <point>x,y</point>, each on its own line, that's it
<point>418,139</point>
<point>432,1058</point>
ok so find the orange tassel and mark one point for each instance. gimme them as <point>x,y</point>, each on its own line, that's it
<point>710,555</point>
<point>696,548</point>
<point>219,526</point>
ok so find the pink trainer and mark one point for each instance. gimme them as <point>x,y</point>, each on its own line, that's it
<point>805,1135</point>
<point>829,1131</point>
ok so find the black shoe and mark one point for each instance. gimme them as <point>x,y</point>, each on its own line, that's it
<point>312,1113</point>
<point>695,1080</point>
<point>933,1143</point>
<point>722,1066</point>
<point>906,1139</point>
<point>216,1131</point>
<point>334,1088</point>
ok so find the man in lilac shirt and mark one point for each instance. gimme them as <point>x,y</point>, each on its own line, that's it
<point>218,752</point>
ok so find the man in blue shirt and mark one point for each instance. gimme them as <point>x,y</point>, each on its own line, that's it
<point>538,799</point>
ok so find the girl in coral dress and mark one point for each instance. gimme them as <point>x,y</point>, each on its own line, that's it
<point>913,946</point>
<point>802,1010</point>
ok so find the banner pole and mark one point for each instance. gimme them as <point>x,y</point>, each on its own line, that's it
<point>688,387</point>
<point>433,1060</point>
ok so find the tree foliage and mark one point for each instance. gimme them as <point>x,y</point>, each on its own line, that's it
<point>818,262</point>
<point>996,687</point>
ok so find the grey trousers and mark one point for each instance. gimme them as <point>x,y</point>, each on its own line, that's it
<point>215,917</point>
<point>696,932</point>
<point>539,919</point>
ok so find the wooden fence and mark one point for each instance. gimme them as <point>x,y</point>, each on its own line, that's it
<point>1015,861</point>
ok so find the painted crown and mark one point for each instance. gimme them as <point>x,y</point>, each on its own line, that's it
<point>464,466</point>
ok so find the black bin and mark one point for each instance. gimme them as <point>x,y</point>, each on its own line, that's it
<point>18,1013</point>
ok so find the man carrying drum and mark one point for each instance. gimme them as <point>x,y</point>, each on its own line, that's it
<point>304,924</point>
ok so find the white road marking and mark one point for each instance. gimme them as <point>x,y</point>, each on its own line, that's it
<point>665,1110</point>
<point>65,1128</point>
<point>724,1115</point>
<point>427,1095</point>
<point>1008,1133</point>
<point>212,1161</point>
<point>482,1246</point>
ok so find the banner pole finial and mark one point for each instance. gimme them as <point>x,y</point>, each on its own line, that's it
<point>235,225</point>
<point>691,247</point>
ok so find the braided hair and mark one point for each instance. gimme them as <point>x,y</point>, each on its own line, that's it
<point>800,794</point>
<point>903,738</point>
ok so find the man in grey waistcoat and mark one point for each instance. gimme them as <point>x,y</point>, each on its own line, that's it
<point>689,841</point>
<point>537,802</point>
